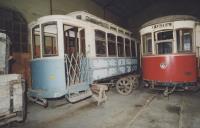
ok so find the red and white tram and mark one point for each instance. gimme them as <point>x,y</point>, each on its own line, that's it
<point>170,53</point>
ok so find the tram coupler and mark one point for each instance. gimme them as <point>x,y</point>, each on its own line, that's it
<point>40,101</point>
<point>167,91</point>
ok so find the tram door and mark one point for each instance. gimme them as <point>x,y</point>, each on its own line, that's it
<point>74,47</point>
<point>71,41</point>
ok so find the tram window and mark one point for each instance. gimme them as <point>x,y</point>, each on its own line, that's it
<point>120,46</point>
<point>100,41</point>
<point>36,42</point>
<point>82,41</point>
<point>127,48</point>
<point>164,47</point>
<point>111,44</point>
<point>166,35</point>
<point>133,49</point>
<point>50,45</point>
<point>147,43</point>
<point>184,40</point>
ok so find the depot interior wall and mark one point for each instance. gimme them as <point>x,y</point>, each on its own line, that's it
<point>32,9</point>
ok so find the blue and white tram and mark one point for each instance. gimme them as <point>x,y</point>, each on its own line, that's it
<point>70,52</point>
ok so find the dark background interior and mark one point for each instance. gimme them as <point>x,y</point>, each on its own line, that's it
<point>134,13</point>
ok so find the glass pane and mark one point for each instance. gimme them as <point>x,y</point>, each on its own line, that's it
<point>187,40</point>
<point>50,45</point>
<point>184,40</point>
<point>100,41</point>
<point>111,44</point>
<point>133,49</point>
<point>164,48</point>
<point>71,39</point>
<point>100,35</point>
<point>100,48</point>
<point>120,46</point>
<point>127,47</point>
<point>165,35</point>
<point>82,41</point>
<point>36,42</point>
<point>147,43</point>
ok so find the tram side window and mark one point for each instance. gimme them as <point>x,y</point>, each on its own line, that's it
<point>36,42</point>
<point>100,41</point>
<point>133,48</point>
<point>127,47</point>
<point>147,43</point>
<point>50,42</point>
<point>184,40</point>
<point>111,44</point>
<point>120,46</point>
<point>82,41</point>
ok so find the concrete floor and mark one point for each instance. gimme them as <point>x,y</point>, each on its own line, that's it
<point>142,109</point>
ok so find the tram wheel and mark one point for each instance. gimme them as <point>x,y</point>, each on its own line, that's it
<point>134,81</point>
<point>124,86</point>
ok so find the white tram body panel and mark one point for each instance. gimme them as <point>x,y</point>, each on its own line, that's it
<point>69,52</point>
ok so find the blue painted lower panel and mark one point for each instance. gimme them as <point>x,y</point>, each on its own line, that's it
<point>48,78</point>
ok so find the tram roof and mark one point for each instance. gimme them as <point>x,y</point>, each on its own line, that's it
<point>170,18</point>
<point>88,17</point>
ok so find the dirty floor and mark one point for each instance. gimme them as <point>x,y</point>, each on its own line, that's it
<point>142,109</point>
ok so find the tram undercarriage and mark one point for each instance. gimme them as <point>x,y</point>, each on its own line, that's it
<point>169,88</point>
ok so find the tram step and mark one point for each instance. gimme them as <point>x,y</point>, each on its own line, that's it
<point>75,97</point>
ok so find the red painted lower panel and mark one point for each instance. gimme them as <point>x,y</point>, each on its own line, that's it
<point>170,68</point>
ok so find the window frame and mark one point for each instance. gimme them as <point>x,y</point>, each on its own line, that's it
<point>112,42</point>
<point>180,47</point>
<point>133,46</point>
<point>99,39</point>
<point>54,35</point>
<point>156,45</point>
<point>129,47</point>
<point>145,44</point>
<point>123,46</point>
<point>158,41</point>
<point>33,42</point>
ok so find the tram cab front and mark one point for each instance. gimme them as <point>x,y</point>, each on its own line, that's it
<point>169,52</point>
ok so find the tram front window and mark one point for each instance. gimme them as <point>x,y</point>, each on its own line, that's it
<point>164,48</point>
<point>165,35</point>
<point>50,42</point>
<point>163,42</point>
